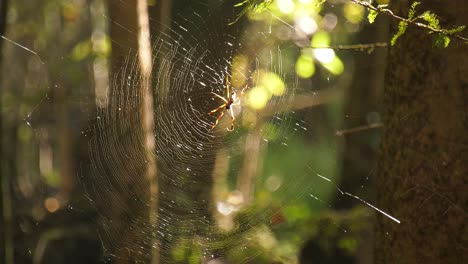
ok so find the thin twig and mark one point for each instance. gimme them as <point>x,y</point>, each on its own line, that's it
<point>369,47</point>
<point>358,129</point>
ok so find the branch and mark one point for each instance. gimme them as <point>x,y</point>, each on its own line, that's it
<point>358,129</point>
<point>388,12</point>
<point>369,47</point>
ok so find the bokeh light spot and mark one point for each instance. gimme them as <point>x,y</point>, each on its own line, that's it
<point>353,13</point>
<point>81,50</point>
<point>239,68</point>
<point>320,39</point>
<point>273,83</point>
<point>329,21</point>
<point>306,24</point>
<point>270,132</point>
<point>273,183</point>
<point>305,67</point>
<point>286,6</point>
<point>324,55</point>
<point>335,66</point>
<point>51,204</point>
<point>258,97</point>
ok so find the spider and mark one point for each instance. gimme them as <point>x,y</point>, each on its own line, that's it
<point>230,100</point>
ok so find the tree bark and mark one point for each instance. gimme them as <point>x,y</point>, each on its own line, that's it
<point>423,166</point>
<point>6,235</point>
<point>134,17</point>
<point>147,112</point>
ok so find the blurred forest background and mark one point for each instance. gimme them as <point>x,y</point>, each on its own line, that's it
<point>94,173</point>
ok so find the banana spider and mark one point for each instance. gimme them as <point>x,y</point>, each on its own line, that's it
<point>230,100</point>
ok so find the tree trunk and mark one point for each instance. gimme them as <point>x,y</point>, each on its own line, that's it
<point>147,112</point>
<point>135,17</point>
<point>6,235</point>
<point>423,166</point>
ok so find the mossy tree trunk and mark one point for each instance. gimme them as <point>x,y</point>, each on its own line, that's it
<point>423,166</point>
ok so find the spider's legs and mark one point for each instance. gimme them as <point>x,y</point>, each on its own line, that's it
<point>237,100</point>
<point>232,119</point>
<point>217,109</point>
<point>228,93</point>
<point>243,89</point>
<point>217,120</point>
<point>219,96</point>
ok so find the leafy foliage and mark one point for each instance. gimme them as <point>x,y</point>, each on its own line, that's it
<point>402,26</point>
<point>430,22</point>
<point>372,15</point>
<point>455,30</point>
<point>256,6</point>
<point>441,41</point>
<point>413,10</point>
<point>431,19</point>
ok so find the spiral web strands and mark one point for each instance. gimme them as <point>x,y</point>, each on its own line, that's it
<point>215,186</point>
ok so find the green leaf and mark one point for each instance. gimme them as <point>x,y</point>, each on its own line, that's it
<point>260,7</point>
<point>455,30</point>
<point>413,10</point>
<point>256,6</point>
<point>320,3</point>
<point>241,3</point>
<point>372,15</point>
<point>431,19</point>
<point>441,41</point>
<point>401,30</point>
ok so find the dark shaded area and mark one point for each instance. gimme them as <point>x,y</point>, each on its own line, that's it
<point>3,164</point>
<point>74,250</point>
<point>423,167</point>
<point>314,253</point>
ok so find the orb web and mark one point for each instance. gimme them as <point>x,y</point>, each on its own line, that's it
<point>207,178</point>
<point>222,194</point>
